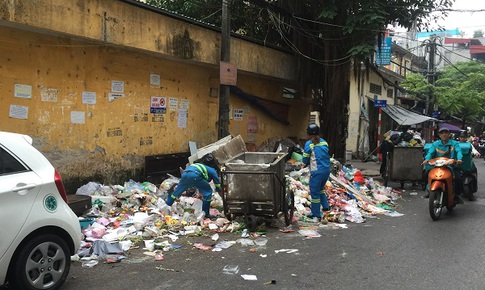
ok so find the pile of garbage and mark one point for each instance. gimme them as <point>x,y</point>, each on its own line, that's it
<point>123,217</point>
<point>351,197</point>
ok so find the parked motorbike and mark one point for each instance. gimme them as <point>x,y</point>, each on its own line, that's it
<point>440,186</point>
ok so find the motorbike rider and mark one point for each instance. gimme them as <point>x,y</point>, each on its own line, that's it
<point>446,147</point>
<point>468,166</point>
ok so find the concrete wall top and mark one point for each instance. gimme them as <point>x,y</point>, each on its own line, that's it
<point>118,23</point>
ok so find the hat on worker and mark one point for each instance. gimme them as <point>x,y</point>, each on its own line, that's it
<point>444,129</point>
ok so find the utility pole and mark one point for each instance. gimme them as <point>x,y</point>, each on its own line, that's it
<point>431,79</point>
<point>223,129</point>
<point>431,69</point>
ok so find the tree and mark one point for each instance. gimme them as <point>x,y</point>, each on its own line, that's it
<point>460,91</point>
<point>417,85</point>
<point>477,33</point>
<point>329,38</point>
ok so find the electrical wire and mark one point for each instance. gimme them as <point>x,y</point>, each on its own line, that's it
<point>334,62</point>
<point>454,52</point>
<point>454,66</point>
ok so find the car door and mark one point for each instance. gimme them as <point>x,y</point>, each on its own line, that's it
<point>18,189</point>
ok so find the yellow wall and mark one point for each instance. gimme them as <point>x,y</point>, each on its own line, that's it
<point>64,63</point>
<point>356,126</point>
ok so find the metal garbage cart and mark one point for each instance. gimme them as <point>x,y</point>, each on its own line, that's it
<point>404,165</point>
<point>254,186</point>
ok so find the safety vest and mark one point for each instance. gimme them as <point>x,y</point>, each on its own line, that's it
<point>202,169</point>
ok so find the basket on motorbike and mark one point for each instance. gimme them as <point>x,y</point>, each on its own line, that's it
<point>254,186</point>
<point>404,165</point>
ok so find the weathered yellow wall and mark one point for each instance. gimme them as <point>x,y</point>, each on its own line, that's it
<point>119,23</point>
<point>115,136</point>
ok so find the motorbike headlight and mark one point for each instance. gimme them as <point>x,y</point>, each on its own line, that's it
<point>440,163</point>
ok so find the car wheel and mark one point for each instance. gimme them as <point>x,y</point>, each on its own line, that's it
<point>43,262</point>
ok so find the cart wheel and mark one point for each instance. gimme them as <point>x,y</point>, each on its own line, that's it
<point>288,207</point>
<point>252,223</point>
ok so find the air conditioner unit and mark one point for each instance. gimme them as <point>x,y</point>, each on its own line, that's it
<point>315,118</point>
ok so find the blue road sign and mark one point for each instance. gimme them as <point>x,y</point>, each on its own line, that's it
<point>380,103</point>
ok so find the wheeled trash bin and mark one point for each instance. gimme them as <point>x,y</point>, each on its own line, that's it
<point>254,186</point>
<point>404,165</point>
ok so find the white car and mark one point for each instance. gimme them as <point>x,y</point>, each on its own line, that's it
<point>38,230</point>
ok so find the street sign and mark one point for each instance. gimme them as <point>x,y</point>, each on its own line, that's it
<point>383,55</point>
<point>380,103</point>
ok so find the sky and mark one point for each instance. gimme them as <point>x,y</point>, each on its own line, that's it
<point>466,21</point>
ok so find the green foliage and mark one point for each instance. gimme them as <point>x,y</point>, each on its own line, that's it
<point>460,90</point>
<point>416,84</point>
<point>477,33</point>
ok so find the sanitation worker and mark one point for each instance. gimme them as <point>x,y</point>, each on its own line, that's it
<point>198,175</point>
<point>315,154</point>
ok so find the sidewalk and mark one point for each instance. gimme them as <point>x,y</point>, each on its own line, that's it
<point>368,169</point>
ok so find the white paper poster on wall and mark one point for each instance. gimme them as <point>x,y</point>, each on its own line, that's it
<point>173,103</point>
<point>18,112</point>
<point>49,94</point>
<point>114,96</point>
<point>182,118</point>
<point>117,86</point>
<point>77,117</point>
<point>238,114</point>
<point>89,98</point>
<point>184,104</point>
<point>155,80</point>
<point>23,91</point>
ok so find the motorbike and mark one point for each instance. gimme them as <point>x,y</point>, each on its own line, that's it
<point>481,147</point>
<point>440,186</point>
<point>468,171</point>
<point>469,184</point>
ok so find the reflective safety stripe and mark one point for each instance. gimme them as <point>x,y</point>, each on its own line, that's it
<point>306,155</point>
<point>173,196</point>
<point>315,200</point>
<point>217,184</point>
<point>210,199</point>
<point>202,169</point>
<point>318,144</point>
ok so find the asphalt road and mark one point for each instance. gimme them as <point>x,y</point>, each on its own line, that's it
<point>407,252</point>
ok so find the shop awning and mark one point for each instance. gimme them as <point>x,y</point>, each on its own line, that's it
<point>405,117</point>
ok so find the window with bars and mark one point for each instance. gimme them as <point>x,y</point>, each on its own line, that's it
<point>390,93</point>
<point>375,89</point>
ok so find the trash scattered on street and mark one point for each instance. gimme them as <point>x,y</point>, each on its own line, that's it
<point>250,277</point>
<point>230,269</point>
<point>134,215</point>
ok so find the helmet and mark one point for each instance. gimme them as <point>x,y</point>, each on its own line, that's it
<point>444,129</point>
<point>463,133</point>
<point>209,160</point>
<point>313,129</point>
